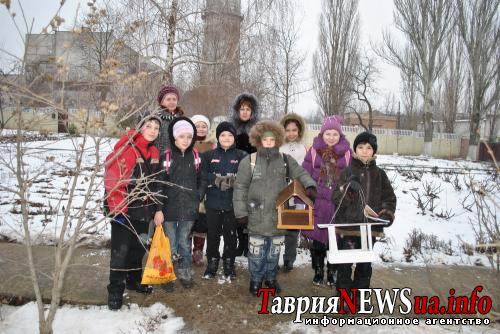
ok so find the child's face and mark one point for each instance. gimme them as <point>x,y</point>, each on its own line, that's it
<point>331,137</point>
<point>292,132</point>
<point>245,112</point>
<point>268,142</point>
<point>201,129</point>
<point>169,101</point>
<point>183,141</point>
<point>364,151</point>
<point>150,130</point>
<point>226,139</point>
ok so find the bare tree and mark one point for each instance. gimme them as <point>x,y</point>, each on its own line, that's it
<point>409,92</point>
<point>363,87</point>
<point>479,27</point>
<point>71,212</point>
<point>425,24</point>
<point>337,55</point>
<point>285,69</point>
<point>452,81</point>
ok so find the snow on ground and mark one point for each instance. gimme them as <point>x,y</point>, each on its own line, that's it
<point>160,319</point>
<point>92,319</point>
<point>53,160</point>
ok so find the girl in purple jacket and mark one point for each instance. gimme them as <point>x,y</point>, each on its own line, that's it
<point>325,160</point>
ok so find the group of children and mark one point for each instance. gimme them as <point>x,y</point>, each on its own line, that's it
<point>169,172</point>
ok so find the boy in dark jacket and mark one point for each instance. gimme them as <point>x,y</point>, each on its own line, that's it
<point>221,166</point>
<point>363,183</point>
<point>183,189</point>
<point>130,200</point>
<point>260,179</point>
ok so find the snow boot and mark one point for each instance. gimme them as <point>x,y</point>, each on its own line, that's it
<point>318,264</point>
<point>331,274</point>
<point>273,284</point>
<point>228,266</point>
<point>287,266</point>
<point>254,287</point>
<point>138,287</point>
<point>198,244</point>
<point>115,295</point>
<point>212,266</point>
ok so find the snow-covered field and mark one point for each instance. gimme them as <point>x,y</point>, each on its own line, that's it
<point>447,227</point>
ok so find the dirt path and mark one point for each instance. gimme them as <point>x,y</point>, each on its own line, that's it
<point>212,307</point>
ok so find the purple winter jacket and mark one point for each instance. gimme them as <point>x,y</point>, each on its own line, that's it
<point>323,206</point>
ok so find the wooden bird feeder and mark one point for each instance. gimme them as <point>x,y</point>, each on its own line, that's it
<point>364,254</point>
<point>294,218</point>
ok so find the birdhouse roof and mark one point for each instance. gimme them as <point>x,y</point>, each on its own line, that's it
<point>294,189</point>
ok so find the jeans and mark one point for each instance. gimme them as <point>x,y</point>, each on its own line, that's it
<point>263,256</point>
<point>180,244</point>
<point>221,223</point>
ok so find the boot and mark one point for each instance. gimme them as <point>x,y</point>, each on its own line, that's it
<point>115,301</point>
<point>287,265</point>
<point>318,264</point>
<point>254,287</point>
<point>198,244</point>
<point>273,285</point>
<point>138,287</point>
<point>115,295</point>
<point>331,274</point>
<point>228,265</point>
<point>212,266</point>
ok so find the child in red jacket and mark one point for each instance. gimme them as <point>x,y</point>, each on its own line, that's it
<point>130,199</point>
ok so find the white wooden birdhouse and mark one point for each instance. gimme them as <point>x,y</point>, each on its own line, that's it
<point>294,218</point>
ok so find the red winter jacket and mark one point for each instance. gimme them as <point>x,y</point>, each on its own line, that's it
<point>119,169</point>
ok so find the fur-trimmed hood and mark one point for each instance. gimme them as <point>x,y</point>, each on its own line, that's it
<point>299,119</point>
<point>171,132</point>
<point>234,113</point>
<point>263,126</point>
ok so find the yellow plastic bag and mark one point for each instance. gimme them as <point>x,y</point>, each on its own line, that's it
<point>159,268</point>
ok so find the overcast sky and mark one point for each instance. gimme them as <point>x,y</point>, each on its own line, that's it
<point>375,16</point>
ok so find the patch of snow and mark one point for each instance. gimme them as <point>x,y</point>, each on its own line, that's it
<point>93,319</point>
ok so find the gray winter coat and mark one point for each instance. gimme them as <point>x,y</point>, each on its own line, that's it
<point>255,195</point>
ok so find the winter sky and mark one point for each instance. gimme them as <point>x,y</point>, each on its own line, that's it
<point>375,16</point>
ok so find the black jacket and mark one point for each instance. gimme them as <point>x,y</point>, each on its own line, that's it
<point>181,204</point>
<point>220,162</point>
<point>376,188</point>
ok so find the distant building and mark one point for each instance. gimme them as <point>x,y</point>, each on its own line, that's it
<point>380,120</point>
<point>74,63</point>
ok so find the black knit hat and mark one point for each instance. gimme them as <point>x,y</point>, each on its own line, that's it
<point>366,137</point>
<point>149,117</point>
<point>225,126</point>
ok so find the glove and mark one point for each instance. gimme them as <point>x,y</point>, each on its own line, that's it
<point>120,219</point>
<point>227,183</point>
<point>386,215</point>
<point>311,193</point>
<point>242,220</point>
<point>354,183</point>
<point>218,181</point>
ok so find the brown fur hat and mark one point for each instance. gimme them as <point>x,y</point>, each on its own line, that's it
<point>261,127</point>
<point>297,118</point>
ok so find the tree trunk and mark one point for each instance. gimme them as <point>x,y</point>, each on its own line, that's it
<point>172,26</point>
<point>428,126</point>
